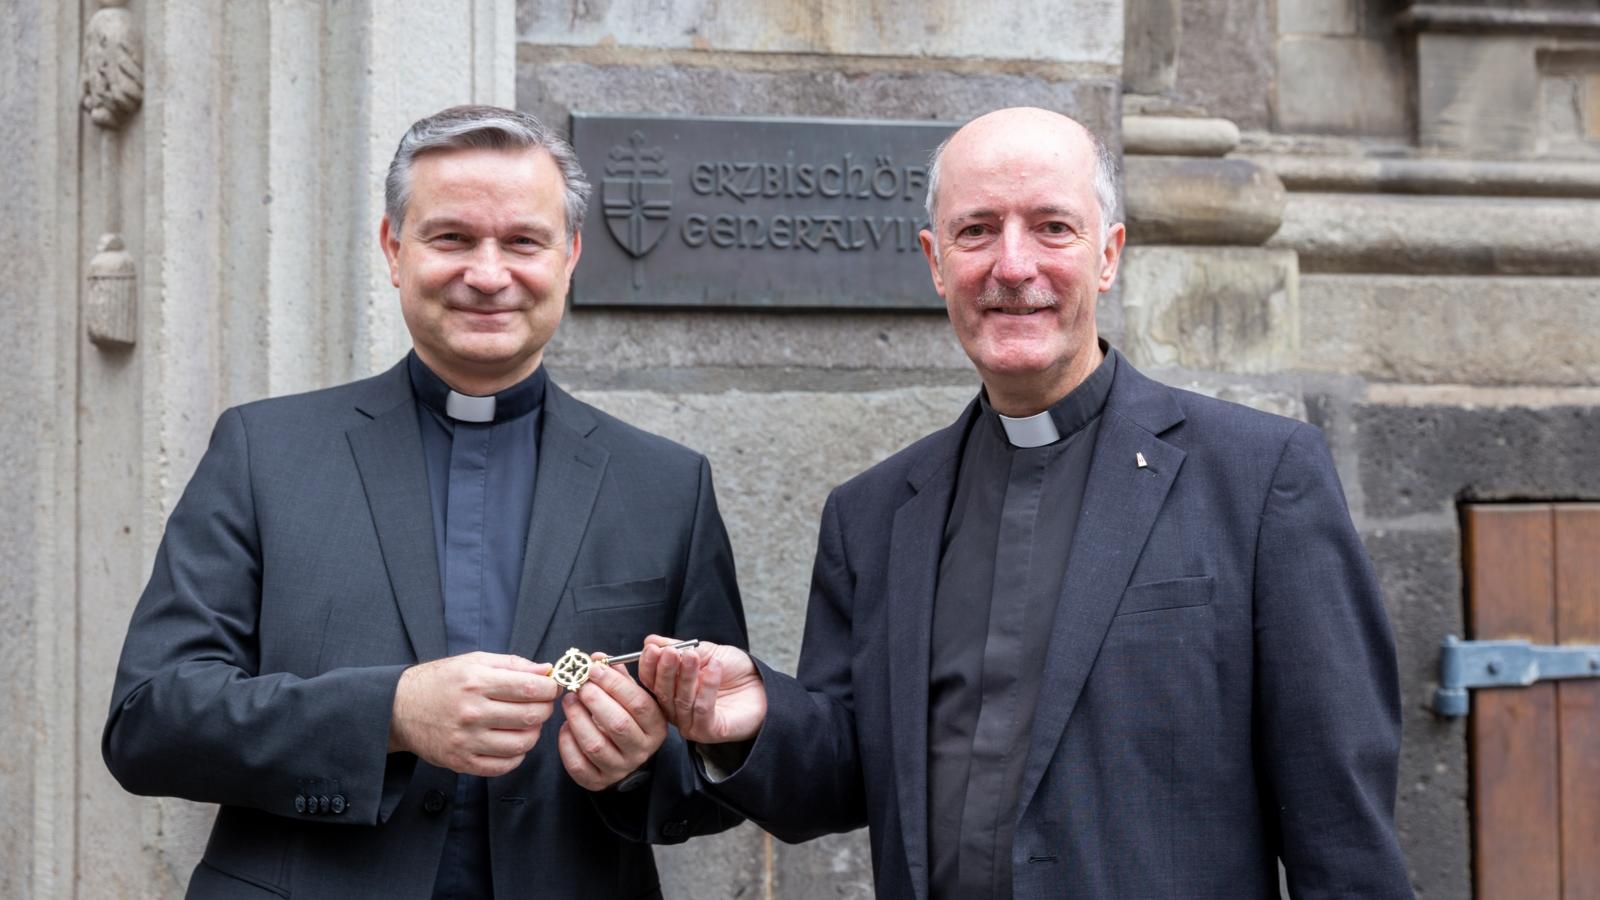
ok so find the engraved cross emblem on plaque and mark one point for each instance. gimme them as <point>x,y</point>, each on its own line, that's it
<point>636,197</point>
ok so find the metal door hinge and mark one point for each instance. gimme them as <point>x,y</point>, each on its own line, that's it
<point>1464,665</point>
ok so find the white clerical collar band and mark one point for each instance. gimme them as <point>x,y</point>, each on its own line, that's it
<point>463,408</point>
<point>1032,431</point>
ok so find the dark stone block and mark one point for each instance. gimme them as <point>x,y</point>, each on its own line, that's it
<point>1421,576</point>
<point>1424,459</point>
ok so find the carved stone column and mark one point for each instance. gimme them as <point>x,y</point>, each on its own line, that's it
<point>1199,292</point>
<point>113,89</point>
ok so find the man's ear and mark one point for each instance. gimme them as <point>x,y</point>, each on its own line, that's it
<point>577,251</point>
<point>1112,256</point>
<point>930,249</point>
<point>390,242</point>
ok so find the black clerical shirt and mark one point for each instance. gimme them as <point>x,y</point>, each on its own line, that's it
<point>1004,558</point>
<point>480,481</point>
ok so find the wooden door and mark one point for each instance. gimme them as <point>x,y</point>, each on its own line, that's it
<point>1533,572</point>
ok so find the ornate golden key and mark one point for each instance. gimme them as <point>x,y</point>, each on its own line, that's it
<point>574,666</point>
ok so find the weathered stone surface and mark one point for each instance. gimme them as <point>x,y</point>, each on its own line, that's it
<point>731,864</point>
<point>1189,200</point>
<point>630,339</point>
<point>1279,395</point>
<point>1441,235</point>
<point>1420,571</point>
<point>1227,62</point>
<point>1569,106</point>
<point>1375,104</point>
<point>36,809</point>
<point>1319,16</point>
<point>1452,329</point>
<point>1173,136</point>
<point>1423,452</point>
<point>1152,33</point>
<point>835,867</point>
<point>1226,309</point>
<point>1359,174</point>
<point>1160,105</point>
<point>748,862</point>
<point>1475,95</point>
<point>1504,81</point>
<point>551,85</point>
<point>1011,29</point>
<point>775,456</point>
<point>1577,19</point>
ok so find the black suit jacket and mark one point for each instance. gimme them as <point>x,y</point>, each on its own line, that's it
<point>298,577</point>
<point>1220,686</point>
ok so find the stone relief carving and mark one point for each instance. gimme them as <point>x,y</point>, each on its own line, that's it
<point>113,89</point>
<point>110,306</point>
<point>113,73</point>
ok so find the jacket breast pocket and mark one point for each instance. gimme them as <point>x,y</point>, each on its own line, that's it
<point>620,595</point>
<point>615,617</point>
<point>1172,593</point>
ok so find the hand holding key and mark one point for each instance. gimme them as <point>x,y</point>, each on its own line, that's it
<point>613,725</point>
<point>574,667</point>
<point>478,713</point>
<point>713,693</point>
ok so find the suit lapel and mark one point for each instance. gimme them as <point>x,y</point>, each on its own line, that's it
<point>1120,506</point>
<point>914,549</point>
<point>388,454</point>
<point>570,469</point>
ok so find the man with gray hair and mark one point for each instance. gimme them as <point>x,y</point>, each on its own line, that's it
<point>1097,638</point>
<point>337,642</point>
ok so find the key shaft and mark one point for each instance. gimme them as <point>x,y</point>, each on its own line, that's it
<point>634,657</point>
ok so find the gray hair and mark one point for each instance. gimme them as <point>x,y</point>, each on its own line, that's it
<point>483,128</point>
<point>1105,180</point>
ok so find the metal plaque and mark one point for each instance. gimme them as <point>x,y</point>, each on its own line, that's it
<point>770,213</point>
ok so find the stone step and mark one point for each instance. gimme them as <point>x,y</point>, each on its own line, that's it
<point>1389,233</point>
<point>1483,177</point>
<point>1487,331</point>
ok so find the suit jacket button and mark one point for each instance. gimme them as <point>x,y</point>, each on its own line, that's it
<point>300,803</point>
<point>433,801</point>
<point>675,830</point>
<point>323,803</point>
<point>337,804</point>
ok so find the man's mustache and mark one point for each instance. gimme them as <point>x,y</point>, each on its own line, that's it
<point>476,301</point>
<point>1031,296</point>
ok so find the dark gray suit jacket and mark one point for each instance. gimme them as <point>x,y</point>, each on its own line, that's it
<point>297,578</point>
<point>1220,685</point>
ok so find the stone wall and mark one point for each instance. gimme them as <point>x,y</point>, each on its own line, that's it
<point>1372,214</point>
<point>1448,302</point>
<point>786,405</point>
<point>244,186</point>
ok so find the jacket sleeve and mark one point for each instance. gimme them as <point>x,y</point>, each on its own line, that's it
<point>191,715</point>
<point>671,808</point>
<point>1327,690</point>
<point>802,777</point>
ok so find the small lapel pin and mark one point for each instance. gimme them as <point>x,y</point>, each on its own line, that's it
<point>1139,458</point>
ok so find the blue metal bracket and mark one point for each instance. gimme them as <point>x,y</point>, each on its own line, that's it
<point>1464,665</point>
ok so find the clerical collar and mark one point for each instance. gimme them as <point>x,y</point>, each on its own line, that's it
<point>513,402</point>
<point>1064,417</point>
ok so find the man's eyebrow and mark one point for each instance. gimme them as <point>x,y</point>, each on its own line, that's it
<point>434,223</point>
<point>983,213</point>
<point>962,219</point>
<point>1062,211</point>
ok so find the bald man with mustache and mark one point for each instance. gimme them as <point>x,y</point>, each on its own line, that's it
<point>1097,638</point>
